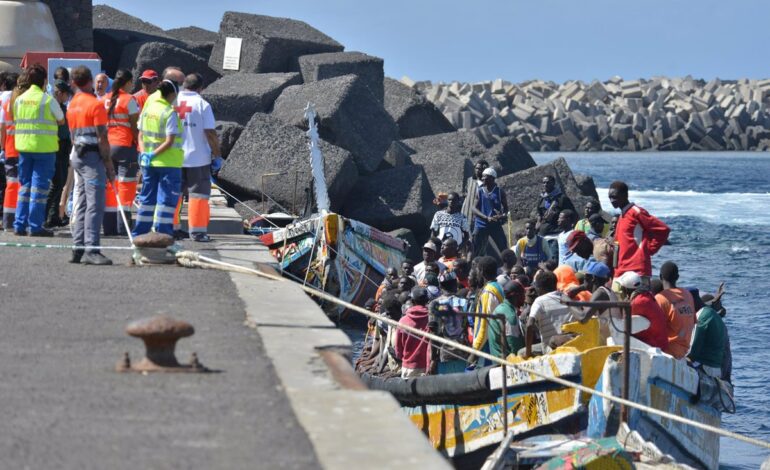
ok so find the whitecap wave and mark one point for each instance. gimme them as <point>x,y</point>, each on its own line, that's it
<point>722,208</point>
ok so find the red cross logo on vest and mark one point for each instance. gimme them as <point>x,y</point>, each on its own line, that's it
<point>183,109</point>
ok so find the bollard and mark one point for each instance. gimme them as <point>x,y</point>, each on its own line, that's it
<point>160,335</point>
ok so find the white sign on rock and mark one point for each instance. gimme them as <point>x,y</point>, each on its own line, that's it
<point>232,58</point>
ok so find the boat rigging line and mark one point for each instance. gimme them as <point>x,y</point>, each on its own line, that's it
<point>192,259</point>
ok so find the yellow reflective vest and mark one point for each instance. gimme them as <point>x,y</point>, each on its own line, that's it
<point>36,127</point>
<point>152,124</point>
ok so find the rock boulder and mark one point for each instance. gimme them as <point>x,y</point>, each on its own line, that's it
<point>139,56</point>
<point>349,116</point>
<point>237,97</point>
<point>368,68</point>
<point>267,145</point>
<point>269,44</point>
<point>228,133</point>
<point>392,199</point>
<point>414,115</point>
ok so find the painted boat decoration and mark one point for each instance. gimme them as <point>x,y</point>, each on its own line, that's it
<point>662,382</point>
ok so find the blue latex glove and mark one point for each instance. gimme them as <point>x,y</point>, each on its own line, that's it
<point>2,156</point>
<point>216,164</point>
<point>145,159</point>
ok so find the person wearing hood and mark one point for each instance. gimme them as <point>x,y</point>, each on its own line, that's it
<point>710,343</point>
<point>491,210</point>
<point>552,202</point>
<point>412,350</point>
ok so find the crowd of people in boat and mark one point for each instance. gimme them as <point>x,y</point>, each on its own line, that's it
<point>466,284</point>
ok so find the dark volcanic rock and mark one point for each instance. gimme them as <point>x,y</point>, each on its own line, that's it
<point>228,133</point>
<point>238,96</point>
<point>269,44</point>
<point>115,30</point>
<point>524,187</point>
<point>414,115</point>
<point>349,117</point>
<point>414,252</point>
<point>193,33</point>
<point>336,64</point>
<point>392,199</point>
<point>508,156</point>
<point>159,55</point>
<point>587,185</point>
<point>267,145</point>
<point>446,158</point>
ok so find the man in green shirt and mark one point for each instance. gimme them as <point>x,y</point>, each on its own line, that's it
<point>514,299</point>
<point>709,341</point>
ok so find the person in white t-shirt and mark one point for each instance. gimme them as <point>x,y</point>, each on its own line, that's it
<point>201,157</point>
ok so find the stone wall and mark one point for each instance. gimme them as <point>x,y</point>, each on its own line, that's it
<point>73,19</point>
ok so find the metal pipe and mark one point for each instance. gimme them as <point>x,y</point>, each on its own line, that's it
<point>504,345</point>
<point>626,362</point>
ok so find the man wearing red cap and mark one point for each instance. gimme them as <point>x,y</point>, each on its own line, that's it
<point>581,250</point>
<point>150,83</point>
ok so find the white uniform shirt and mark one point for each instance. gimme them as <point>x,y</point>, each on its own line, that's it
<point>196,116</point>
<point>5,96</point>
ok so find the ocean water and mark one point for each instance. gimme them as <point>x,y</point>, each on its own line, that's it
<point>718,208</point>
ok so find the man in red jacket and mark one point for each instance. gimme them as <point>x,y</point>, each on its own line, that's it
<point>413,350</point>
<point>638,234</point>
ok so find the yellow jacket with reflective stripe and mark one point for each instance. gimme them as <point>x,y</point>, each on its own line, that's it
<point>152,123</point>
<point>36,127</point>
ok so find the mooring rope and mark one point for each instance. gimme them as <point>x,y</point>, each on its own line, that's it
<point>187,255</point>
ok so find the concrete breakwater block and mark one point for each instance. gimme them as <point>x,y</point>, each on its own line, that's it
<point>414,114</point>
<point>236,97</point>
<point>368,68</point>
<point>140,56</point>
<point>392,199</point>
<point>349,116</point>
<point>523,188</point>
<point>228,133</point>
<point>115,30</point>
<point>269,44</point>
<point>268,145</point>
<point>508,156</point>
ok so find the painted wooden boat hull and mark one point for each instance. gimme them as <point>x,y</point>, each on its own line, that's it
<point>667,384</point>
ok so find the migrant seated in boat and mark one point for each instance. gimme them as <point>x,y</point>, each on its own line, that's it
<point>410,349</point>
<point>710,343</point>
<point>547,314</point>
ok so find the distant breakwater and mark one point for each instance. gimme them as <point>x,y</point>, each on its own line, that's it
<point>662,114</point>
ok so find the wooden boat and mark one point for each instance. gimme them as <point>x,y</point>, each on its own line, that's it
<point>463,412</point>
<point>662,382</point>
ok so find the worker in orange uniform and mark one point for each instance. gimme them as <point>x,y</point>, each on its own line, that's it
<point>200,143</point>
<point>91,161</point>
<point>8,147</point>
<point>122,133</point>
<point>150,82</point>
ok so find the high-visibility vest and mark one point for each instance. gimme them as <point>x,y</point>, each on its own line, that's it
<point>153,126</point>
<point>10,132</point>
<point>36,127</point>
<point>119,127</point>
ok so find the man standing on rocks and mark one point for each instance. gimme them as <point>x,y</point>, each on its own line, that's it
<point>201,157</point>
<point>491,210</point>
<point>451,223</point>
<point>592,208</point>
<point>638,234</point>
<point>473,183</point>
<point>551,203</point>
<point>566,222</point>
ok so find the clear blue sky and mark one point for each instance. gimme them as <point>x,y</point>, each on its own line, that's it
<point>517,40</point>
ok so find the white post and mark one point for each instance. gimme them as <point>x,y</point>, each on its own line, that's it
<point>317,162</point>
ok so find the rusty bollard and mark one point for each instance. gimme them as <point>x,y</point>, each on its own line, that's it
<point>160,335</point>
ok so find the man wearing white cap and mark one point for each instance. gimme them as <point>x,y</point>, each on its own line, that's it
<point>629,287</point>
<point>429,255</point>
<point>491,210</point>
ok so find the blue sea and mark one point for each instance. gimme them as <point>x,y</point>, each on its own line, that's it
<point>718,208</point>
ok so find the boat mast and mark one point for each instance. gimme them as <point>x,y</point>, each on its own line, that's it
<point>317,162</point>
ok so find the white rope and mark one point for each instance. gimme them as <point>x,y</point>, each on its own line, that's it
<point>438,339</point>
<point>122,214</point>
<point>252,209</point>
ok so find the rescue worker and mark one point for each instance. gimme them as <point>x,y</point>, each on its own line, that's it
<point>161,159</point>
<point>91,161</point>
<point>150,82</point>
<point>14,87</point>
<point>122,133</point>
<point>36,116</point>
<point>201,157</point>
